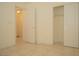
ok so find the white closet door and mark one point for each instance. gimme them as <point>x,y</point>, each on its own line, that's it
<point>7,25</point>
<point>29,25</point>
<point>71,25</point>
<point>44,26</point>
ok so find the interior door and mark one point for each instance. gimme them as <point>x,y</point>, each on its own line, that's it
<point>29,25</point>
<point>7,25</point>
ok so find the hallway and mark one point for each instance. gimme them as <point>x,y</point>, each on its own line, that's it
<point>27,49</point>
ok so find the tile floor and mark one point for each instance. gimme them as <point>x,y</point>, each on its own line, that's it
<point>23,48</point>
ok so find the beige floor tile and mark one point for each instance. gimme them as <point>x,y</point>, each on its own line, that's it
<point>23,48</point>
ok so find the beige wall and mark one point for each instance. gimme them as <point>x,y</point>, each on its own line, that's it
<point>59,24</point>
<point>42,33</point>
<point>44,26</point>
<point>7,25</point>
<point>43,14</point>
<point>45,21</point>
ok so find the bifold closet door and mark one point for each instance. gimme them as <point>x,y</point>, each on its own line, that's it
<point>7,25</point>
<point>29,25</point>
<point>71,15</point>
<point>44,27</point>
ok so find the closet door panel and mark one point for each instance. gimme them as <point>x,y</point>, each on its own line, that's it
<point>71,25</point>
<point>7,25</point>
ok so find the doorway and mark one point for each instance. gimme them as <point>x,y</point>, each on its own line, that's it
<point>59,25</point>
<point>19,24</point>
